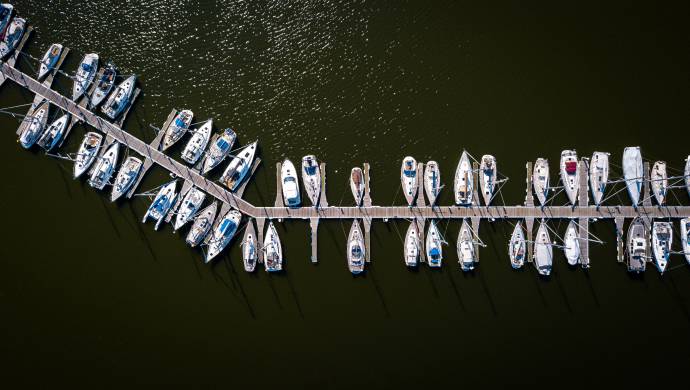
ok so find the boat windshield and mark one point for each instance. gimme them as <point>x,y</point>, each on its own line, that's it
<point>222,144</point>
<point>410,173</point>
<point>311,170</point>
<point>86,67</point>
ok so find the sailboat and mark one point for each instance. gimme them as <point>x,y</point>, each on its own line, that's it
<point>685,237</point>
<point>570,174</point>
<point>662,241</point>
<point>432,181</point>
<point>219,150</point>
<point>463,183</point>
<point>34,130</point>
<point>465,247</point>
<point>165,199</point>
<point>273,250</point>
<point>633,172</point>
<point>223,234</point>
<point>119,98</point>
<point>177,128</point>
<point>659,181</point>
<point>543,251</point>
<point>311,178</point>
<point>408,177</point>
<point>6,10</point>
<point>637,246</point>
<point>517,247</point>
<point>355,249</point>
<point>104,168</point>
<point>87,152</point>
<point>196,145</point>
<point>239,166</point>
<point>571,243</point>
<point>357,185</point>
<point>412,245</point>
<point>489,173</point>
<point>85,74</point>
<point>434,241</point>
<point>188,207</point>
<point>13,35</point>
<point>598,175</point>
<point>104,85</point>
<point>249,249</point>
<point>686,173</point>
<point>202,225</point>
<point>540,180</point>
<point>288,176</point>
<point>126,177</point>
<point>52,137</point>
<point>49,60</point>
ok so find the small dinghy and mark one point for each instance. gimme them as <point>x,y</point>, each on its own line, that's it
<point>119,98</point>
<point>13,35</point>
<point>540,180</point>
<point>290,185</point>
<point>659,181</point>
<point>126,177</point>
<point>637,246</point>
<point>543,251</point>
<point>570,174</point>
<point>52,137</point>
<point>273,250</point>
<point>202,225</point>
<point>238,168</point>
<point>104,85</point>
<point>355,249</point>
<point>219,150</point>
<point>571,243</point>
<point>633,172</point>
<point>164,200</point>
<point>465,247</point>
<point>662,241</point>
<point>311,178</point>
<point>5,16</point>
<point>517,247</point>
<point>357,185</point>
<point>85,75</point>
<point>196,145</point>
<point>489,172</point>
<point>432,181</point>
<point>50,58</point>
<point>88,150</point>
<point>434,251</point>
<point>177,128</point>
<point>37,125</point>
<point>105,167</point>
<point>188,207</point>
<point>685,237</point>
<point>598,175</point>
<point>249,250</point>
<point>408,178</point>
<point>223,234</point>
<point>463,181</point>
<point>412,245</point>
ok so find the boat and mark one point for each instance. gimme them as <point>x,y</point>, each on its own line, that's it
<point>517,247</point>
<point>290,185</point>
<point>463,184</point>
<point>434,251</point>
<point>202,225</point>
<point>49,60</point>
<point>571,243</point>
<point>659,181</point>
<point>633,173</point>
<point>223,233</point>
<point>408,177</point>
<point>662,241</point>
<point>177,128</point>
<point>355,249</point>
<point>432,181</point>
<point>105,167</point>
<point>13,35</point>
<point>465,247</point>
<point>598,175</point>
<point>5,16</point>
<point>357,185</point>
<point>488,176</point>
<point>686,173</point>
<point>165,199</point>
<point>250,254</point>
<point>540,180</point>
<point>543,251</point>
<point>196,145</point>
<point>570,174</point>
<point>34,130</point>
<point>189,206</point>
<point>685,237</point>
<point>119,98</point>
<point>88,150</point>
<point>85,74</point>
<point>412,245</point>
<point>239,166</point>
<point>219,150</point>
<point>637,246</point>
<point>311,178</point>
<point>52,136</point>
<point>104,85</point>
<point>126,177</point>
<point>273,251</point>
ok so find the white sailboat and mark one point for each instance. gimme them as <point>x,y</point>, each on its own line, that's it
<point>202,225</point>
<point>540,180</point>
<point>357,185</point>
<point>412,249</point>
<point>662,241</point>
<point>686,173</point>
<point>37,124</point>
<point>434,250</point>
<point>219,150</point>
<point>633,172</point>
<point>87,152</point>
<point>432,181</point>
<point>85,74</point>
<point>165,199</point>
<point>463,183</point>
<point>126,177</point>
<point>517,247</point>
<point>250,251</point>
<point>637,246</point>
<point>177,128</point>
<point>104,85</point>
<point>311,178</point>
<point>119,98</point>
<point>659,181</point>
<point>543,251</point>
<point>273,250</point>
<point>188,207</point>
<point>465,247</point>
<point>196,145</point>
<point>571,243</point>
<point>238,168</point>
<point>489,173</point>
<point>6,10</point>
<point>288,176</point>
<point>408,178</point>
<point>570,174</point>
<point>223,234</point>
<point>355,249</point>
<point>52,137</point>
<point>685,237</point>
<point>104,168</point>
<point>49,59</point>
<point>598,175</point>
<point>12,36</point>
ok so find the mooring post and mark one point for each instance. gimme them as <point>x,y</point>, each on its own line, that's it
<point>529,197</point>
<point>260,241</point>
<point>367,238</point>
<point>314,224</point>
<point>420,185</point>
<point>620,246</point>
<point>279,187</point>
<point>367,186</point>
<point>323,201</point>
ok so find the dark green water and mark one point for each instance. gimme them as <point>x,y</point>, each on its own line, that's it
<point>90,295</point>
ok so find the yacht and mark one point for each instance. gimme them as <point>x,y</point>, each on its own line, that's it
<point>637,246</point>
<point>408,177</point>
<point>434,251</point>
<point>5,15</point>
<point>412,245</point>
<point>177,128</point>
<point>662,241</point>
<point>598,175</point>
<point>165,199</point>
<point>273,250</point>
<point>465,247</point>
<point>355,249</point>
<point>488,176</point>
<point>196,145</point>
<point>52,137</point>
<point>223,233</point>
<point>34,130</point>
<point>219,150</point>
<point>357,185</point>
<point>88,150</point>
<point>119,98</point>
<point>543,251</point>
<point>104,168</point>
<point>540,180</point>
<point>126,177</point>
<point>188,207</point>
<point>249,249</point>
<point>570,174</point>
<point>311,178</point>
<point>685,237</point>
<point>85,74</point>
<point>659,181</point>
<point>463,181</point>
<point>50,58</point>
<point>239,166</point>
<point>288,176</point>
<point>432,181</point>
<point>517,247</point>
<point>12,36</point>
<point>633,172</point>
<point>202,225</point>
<point>571,243</point>
<point>104,85</point>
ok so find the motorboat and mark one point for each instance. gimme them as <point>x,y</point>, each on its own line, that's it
<point>598,175</point>
<point>357,185</point>
<point>52,136</point>
<point>540,180</point>
<point>202,225</point>
<point>432,181</point>
<point>311,178</point>
<point>177,128</point>
<point>637,246</point>
<point>543,251</point>
<point>188,207</point>
<point>196,145</point>
<point>571,243</point>
<point>434,250</point>
<point>88,150</point>
<point>49,60</point>
<point>408,178</point>
<point>685,237</point>
<point>5,16</point>
<point>517,247</point>
<point>488,177</point>
<point>165,199</point>
<point>105,167</point>
<point>662,241</point>
<point>223,233</point>
<point>85,75</point>
<point>37,124</point>
<point>13,35</point>
<point>120,98</point>
<point>273,250</point>
<point>126,177</point>
<point>463,184</point>
<point>238,168</point>
<point>355,249</point>
<point>659,181</point>
<point>219,150</point>
<point>570,174</point>
<point>633,173</point>
<point>250,251</point>
<point>412,249</point>
<point>465,247</point>
<point>288,176</point>
<point>104,85</point>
